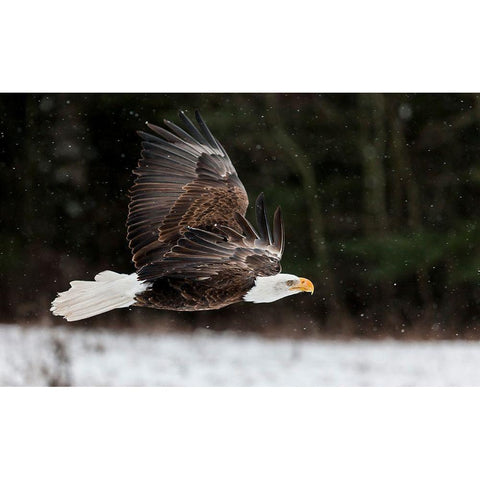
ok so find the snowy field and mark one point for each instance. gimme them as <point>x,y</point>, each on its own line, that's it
<point>72,356</point>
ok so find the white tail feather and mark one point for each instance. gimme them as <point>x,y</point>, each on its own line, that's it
<point>110,290</point>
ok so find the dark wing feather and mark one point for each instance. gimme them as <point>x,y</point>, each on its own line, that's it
<point>184,178</point>
<point>199,253</point>
<point>278,231</point>
<point>262,221</point>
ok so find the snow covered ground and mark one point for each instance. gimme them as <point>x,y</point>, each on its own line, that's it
<point>72,356</point>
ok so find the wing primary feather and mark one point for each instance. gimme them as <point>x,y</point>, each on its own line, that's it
<point>167,140</point>
<point>231,233</point>
<point>247,227</point>
<point>182,134</point>
<point>278,230</point>
<point>208,135</point>
<point>164,133</point>
<point>198,232</point>
<point>192,128</point>
<point>145,136</point>
<point>166,150</point>
<point>262,220</point>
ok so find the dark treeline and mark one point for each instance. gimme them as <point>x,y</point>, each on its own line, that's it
<point>380,194</point>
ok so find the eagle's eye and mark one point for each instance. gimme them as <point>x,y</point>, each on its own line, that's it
<point>290,283</point>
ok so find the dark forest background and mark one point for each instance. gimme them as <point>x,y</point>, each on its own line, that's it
<point>380,194</point>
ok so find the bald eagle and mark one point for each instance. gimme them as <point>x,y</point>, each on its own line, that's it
<point>192,246</point>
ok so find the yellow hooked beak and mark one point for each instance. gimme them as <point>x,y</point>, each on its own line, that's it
<point>304,285</point>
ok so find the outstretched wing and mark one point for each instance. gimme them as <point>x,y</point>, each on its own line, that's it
<point>201,254</point>
<point>184,178</point>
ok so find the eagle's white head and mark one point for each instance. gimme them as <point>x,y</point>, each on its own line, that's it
<point>275,287</point>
